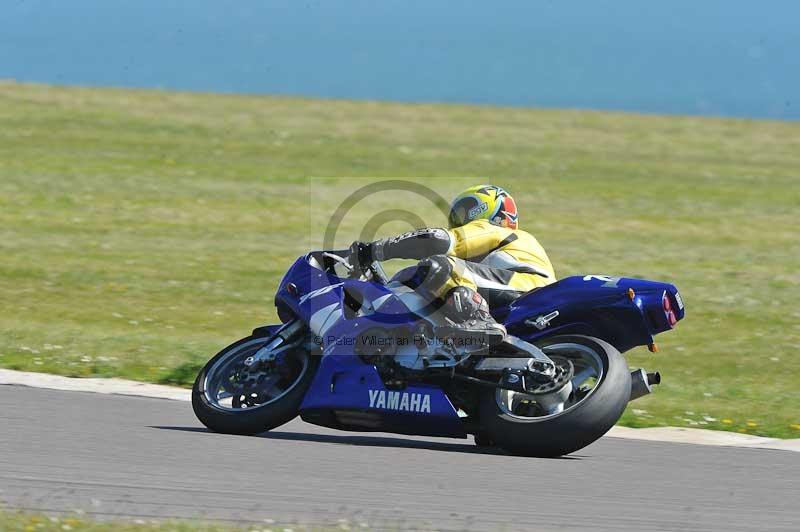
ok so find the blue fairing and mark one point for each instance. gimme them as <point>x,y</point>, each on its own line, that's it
<point>344,383</point>
<point>316,289</point>
<point>348,393</point>
<point>596,305</point>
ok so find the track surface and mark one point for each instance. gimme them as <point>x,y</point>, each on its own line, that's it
<point>114,456</point>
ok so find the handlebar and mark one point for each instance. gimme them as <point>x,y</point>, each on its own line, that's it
<point>341,260</point>
<point>328,259</point>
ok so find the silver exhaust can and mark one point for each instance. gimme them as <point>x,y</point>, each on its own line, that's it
<point>642,383</point>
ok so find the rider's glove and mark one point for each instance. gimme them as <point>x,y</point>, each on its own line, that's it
<point>361,255</point>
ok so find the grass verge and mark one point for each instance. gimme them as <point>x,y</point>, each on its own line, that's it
<point>33,522</point>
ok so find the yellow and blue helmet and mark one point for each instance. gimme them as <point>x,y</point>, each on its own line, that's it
<point>483,202</point>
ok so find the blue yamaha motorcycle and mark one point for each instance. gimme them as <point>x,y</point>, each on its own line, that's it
<point>359,351</point>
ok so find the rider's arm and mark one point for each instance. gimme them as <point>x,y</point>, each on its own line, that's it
<point>417,244</point>
<point>471,240</point>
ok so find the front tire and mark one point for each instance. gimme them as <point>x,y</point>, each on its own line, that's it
<point>577,425</point>
<point>240,417</point>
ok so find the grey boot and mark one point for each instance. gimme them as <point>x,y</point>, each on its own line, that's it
<point>468,320</point>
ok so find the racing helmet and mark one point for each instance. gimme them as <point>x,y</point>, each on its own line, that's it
<point>483,202</point>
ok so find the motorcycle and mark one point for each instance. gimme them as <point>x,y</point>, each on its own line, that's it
<point>359,351</point>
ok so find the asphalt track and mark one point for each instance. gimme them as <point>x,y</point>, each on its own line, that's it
<point>118,457</point>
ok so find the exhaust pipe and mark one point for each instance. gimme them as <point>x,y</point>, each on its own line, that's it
<point>642,383</point>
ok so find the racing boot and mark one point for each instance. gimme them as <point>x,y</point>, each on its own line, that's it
<point>468,321</point>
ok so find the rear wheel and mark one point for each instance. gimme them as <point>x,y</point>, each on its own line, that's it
<point>229,397</point>
<point>533,425</point>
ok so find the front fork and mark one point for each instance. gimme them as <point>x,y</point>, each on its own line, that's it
<point>283,339</point>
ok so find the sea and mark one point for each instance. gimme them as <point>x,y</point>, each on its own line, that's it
<point>710,57</point>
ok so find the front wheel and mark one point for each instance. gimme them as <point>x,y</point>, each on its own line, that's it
<point>229,397</point>
<point>529,425</point>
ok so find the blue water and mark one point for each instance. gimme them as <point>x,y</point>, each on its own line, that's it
<point>737,58</point>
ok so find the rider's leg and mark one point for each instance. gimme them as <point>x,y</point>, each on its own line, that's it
<point>450,282</point>
<point>468,317</point>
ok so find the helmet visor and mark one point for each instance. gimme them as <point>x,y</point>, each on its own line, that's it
<point>460,212</point>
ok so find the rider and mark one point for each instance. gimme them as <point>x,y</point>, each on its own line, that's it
<point>482,260</point>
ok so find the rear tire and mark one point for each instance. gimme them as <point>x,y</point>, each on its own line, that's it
<point>574,428</point>
<point>483,440</point>
<point>257,419</point>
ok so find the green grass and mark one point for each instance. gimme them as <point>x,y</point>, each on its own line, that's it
<point>31,522</point>
<point>140,231</point>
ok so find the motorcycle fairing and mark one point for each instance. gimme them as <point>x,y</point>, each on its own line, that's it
<point>625,312</point>
<point>305,290</point>
<point>348,394</point>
